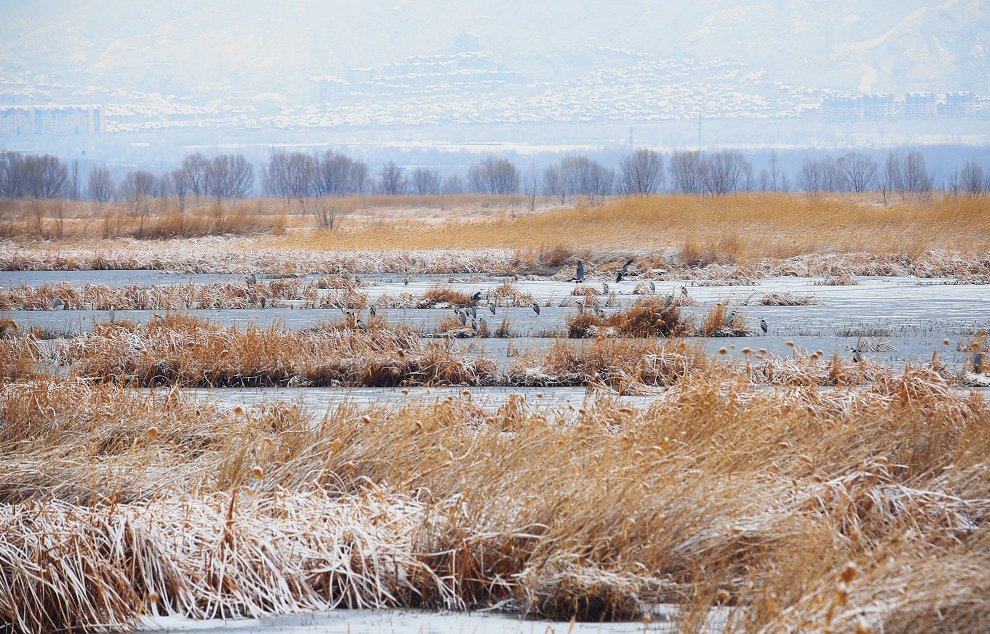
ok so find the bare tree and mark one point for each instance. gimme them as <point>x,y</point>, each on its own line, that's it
<point>892,179</point>
<point>74,180</point>
<point>687,172</point>
<point>13,175</point>
<point>723,172</point>
<point>181,187</point>
<point>137,188</point>
<point>453,184</point>
<point>494,176</point>
<point>952,184</point>
<point>642,172</point>
<point>338,175</point>
<point>426,181</point>
<point>532,185</point>
<point>101,185</point>
<point>46,176</point>
<point>860,171</point>
<point>773,172</point>
<point>811,179</point>
<point>391,181</point>
<point>553,183</point>
<point>163,186</point>
<point>274,175</point>
<point>584,177</point>
<point>918,180</point>
<point>229,176</point>
<point>971,179</point>
<point>196,168</point>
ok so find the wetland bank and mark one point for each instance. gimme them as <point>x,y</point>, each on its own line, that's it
<point>176,452</point>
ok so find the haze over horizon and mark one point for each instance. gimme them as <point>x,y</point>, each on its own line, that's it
<point>552,74</point>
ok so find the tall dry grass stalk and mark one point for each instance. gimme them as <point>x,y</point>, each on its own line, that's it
<point>791,509</point>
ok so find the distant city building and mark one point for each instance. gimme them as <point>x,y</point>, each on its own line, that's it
<point>878,107</point>
<point>49,120</point>
<point>919,105</point>
<point>959,105</point>
<point>842,109</point>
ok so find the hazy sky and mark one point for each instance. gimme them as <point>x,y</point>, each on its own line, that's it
<point>212,49</point>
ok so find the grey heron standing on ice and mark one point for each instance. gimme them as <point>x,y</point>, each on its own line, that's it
<point>579,274</point>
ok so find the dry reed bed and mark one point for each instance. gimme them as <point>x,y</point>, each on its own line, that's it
<point>328,292</point>
<point>247,255</point>
<point>798,509</point>
<point>193,353</point>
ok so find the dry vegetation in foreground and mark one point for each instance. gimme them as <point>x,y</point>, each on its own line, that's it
<point>746,236</point>
<point>796,510</point>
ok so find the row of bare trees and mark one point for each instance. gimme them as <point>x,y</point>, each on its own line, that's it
<point>297,175</point>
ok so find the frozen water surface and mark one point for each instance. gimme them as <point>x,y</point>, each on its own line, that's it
<point>418,622</point>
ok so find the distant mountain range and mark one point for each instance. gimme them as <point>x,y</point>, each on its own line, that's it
<point>229,50</point>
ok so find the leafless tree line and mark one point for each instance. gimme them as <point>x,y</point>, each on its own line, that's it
<point>717,173</point>
<point>970,180</point>
<point>297,175</point>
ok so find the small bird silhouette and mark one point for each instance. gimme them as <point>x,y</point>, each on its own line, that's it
<point>684,291</point>
<point>491,307</point>
<point>536,308</point>
<point>978,359</point>
<point>668,301</point>
<point>605,286</point>
<point>857,355</point>
<point>373,310</point>
<point>476,296</point>
<point>763,325</point>
<point>406,281</point>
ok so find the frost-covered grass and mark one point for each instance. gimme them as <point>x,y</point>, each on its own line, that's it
<point>327,292</point>
<point>847,509</point>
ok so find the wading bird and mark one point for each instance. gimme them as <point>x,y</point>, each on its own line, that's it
<point>605,286</point>
<point>653,287</point>
<point>251,279</point>
<point>406,281</point>
<point>536,308</point>
<point>264,300</point>
<point>579,274</point>
<point>668,301</point>
<point>462,316</point>
<point>978,359</point>
<point>730,318</point>
<point>476,297</point>
<point>857,355</point>
<point>763,325</point>
<point>373,310</point>
<point>491,307</point>
<point>684,291</point>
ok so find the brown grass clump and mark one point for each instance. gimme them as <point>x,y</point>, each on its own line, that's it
<point>841,279</point>
<point>786,299</point>
<point>507,294</point>
<point>623,365</point>
<point>443,298</point>
<point>715,323</point>
<point>648,317</point>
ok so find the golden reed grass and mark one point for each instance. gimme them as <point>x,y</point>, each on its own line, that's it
<point>746,236</point>
<point>788,510</point>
